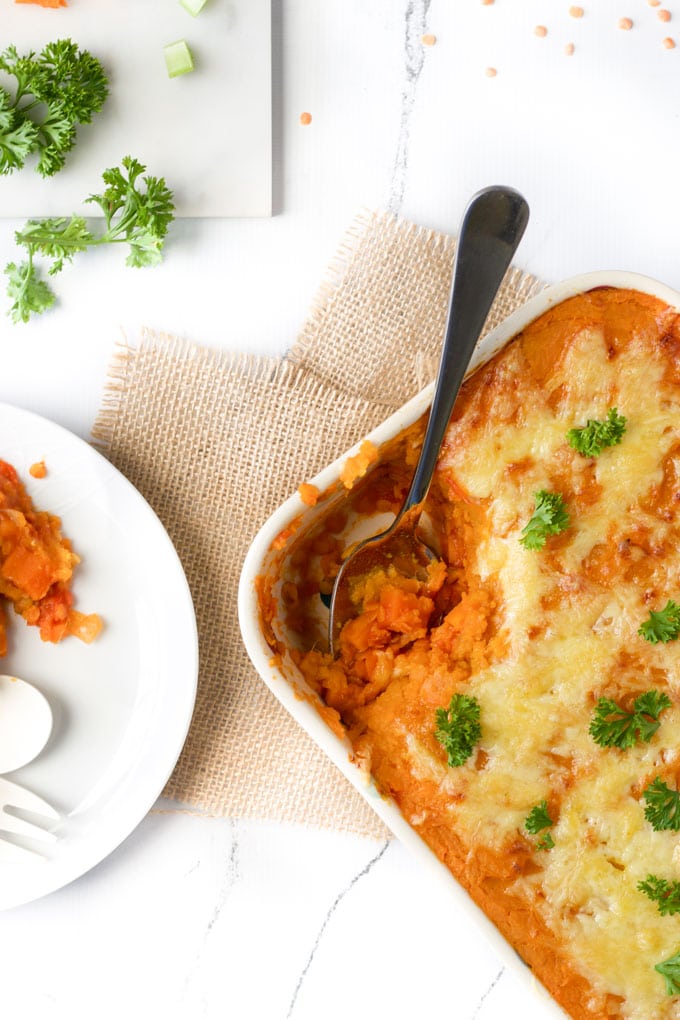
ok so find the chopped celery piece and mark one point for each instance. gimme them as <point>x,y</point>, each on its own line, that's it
<point>193,6</point>
<point>178,59</point>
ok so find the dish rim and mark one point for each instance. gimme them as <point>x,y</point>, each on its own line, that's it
<point>304,712</point>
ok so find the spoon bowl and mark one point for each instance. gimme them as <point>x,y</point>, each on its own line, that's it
<point>491,229</point>
<point>25,723</point>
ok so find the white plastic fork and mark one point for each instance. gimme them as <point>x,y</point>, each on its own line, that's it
<point>16,798</point>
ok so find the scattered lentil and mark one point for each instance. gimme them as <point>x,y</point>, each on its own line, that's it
<point>487,3</point>
<point>305,118</point>
<point>569,49</point>
<point>626,24</point>
<point>38,470</point>
<point>428,40</point>
<point>490,72</point>
<point>541,31</point>
<point>576,12</point>
<point>653,3</point>
<point>663,15</point>
<point>669,43</point>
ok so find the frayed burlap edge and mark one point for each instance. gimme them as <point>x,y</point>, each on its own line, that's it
<point>210,437</point>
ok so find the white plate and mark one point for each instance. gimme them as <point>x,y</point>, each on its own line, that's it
<point>122,705</point>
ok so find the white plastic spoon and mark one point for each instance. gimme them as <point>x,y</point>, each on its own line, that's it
<point>25,723</point>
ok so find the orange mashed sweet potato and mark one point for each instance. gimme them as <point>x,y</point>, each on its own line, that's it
<point>44,3</point>
<point>309,494</point>
<point>356,467</point>
<point>36,567</point>
<point>536,636</point>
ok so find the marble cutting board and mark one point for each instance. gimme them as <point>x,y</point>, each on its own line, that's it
<point>208,132</point>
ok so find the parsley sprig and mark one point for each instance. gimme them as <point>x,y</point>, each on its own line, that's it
<point>458,728</point>
<point>595,436</point>
<point>54,92</point>
<point>670,971</point>
<point>612,726</point>
<point>665,894</point>
<point>550,517</point>
<point>137,212</point>
<point>662,806</point>
<point>28,294</point>
<point>663,625</point>
<point>537,821</point>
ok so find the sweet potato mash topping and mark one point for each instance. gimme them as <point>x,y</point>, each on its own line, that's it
<point>36,566</point>
<point>309,494</point>
<point>568,646</point>
<point>356,467</point>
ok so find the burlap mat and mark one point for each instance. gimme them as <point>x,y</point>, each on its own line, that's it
<point>216,441</point>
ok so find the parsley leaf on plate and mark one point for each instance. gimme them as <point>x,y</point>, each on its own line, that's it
<point>52,93</point>
<point>18,137</point>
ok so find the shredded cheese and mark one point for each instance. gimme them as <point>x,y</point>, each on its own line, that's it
<point>551,632</point>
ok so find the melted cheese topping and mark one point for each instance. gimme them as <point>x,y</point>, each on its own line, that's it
<point>562,632</point>
<point>535,702</point>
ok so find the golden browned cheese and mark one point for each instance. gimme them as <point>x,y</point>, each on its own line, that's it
<point>536,636</point>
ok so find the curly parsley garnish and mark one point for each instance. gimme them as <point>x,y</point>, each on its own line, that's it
<point>458,728</point>
<point>662,806</point>
<point>28,293</point>
<point>137,212</point>
<point>663,625</point>
<point>53,92</point>
<point>665,894</point>
<point>612,726</point>
<point>536,821</point>
<point>549,518</point>
<point>670,971</point>
<point>592,438</point>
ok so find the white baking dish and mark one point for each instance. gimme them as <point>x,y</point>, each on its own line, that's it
<point>288,686</point>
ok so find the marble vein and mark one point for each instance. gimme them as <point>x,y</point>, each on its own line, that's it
<point>414,60</point>
<point>231,876</point>
<point>336,903</point>
<point>487,993</point>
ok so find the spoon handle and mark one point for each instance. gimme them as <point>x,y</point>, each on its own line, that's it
<point>492,227</point>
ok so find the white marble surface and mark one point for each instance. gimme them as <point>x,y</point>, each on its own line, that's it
<point>194,917</point>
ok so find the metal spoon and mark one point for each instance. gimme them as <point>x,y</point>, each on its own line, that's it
<point>25,723</point>
<point>491,229</point>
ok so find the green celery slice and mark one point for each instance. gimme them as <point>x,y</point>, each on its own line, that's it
<point>193,6</point>
<point>178,59</point>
